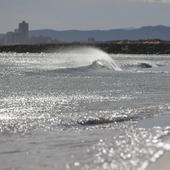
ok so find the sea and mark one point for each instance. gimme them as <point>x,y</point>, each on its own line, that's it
<point>83,109</point>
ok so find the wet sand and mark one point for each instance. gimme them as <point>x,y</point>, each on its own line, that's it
<point>163,163</point>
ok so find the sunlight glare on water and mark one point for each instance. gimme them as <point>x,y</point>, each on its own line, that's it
<point>82,108</point>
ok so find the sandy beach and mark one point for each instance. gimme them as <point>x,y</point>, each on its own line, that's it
<point>162,163</point>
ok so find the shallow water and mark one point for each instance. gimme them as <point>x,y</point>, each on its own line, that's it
<point>64,110</point>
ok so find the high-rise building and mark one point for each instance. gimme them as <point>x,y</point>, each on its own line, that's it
<point>23,32</point>
<point>21,36</point>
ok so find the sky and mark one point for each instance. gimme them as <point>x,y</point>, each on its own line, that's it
<point>83,14</point>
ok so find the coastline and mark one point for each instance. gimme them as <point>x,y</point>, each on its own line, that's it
<point>162,162</point>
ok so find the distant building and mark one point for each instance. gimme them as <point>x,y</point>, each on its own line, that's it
<point>10,38</point>
<point>1,41</point>
<point>19,36</point>
<point>23,32</point>
<point>91,40</point>
<point>41,40</point>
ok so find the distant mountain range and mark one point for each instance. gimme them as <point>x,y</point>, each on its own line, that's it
<point>147,32</point>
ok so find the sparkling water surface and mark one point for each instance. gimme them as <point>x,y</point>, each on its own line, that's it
<point>83,109</point>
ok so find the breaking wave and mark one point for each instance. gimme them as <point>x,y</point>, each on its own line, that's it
<point>71,59</point>
<point>91,121</point>
<point>95,65</point>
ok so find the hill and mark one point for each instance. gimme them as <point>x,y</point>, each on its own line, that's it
<point>147,32</point>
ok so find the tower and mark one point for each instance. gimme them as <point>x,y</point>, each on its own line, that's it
<point>23,31</point>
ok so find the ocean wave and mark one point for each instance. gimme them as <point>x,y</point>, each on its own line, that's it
<point>104,120</point>
<point>142,65</point>
<point>96,65</point>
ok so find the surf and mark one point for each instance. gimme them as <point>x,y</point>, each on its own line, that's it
<point>78,57</point>
<point>68,58</point>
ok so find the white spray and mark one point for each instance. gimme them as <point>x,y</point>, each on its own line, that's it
<point>82,56</point>
<point>67,58</point>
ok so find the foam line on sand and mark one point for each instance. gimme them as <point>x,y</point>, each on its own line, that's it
<point>163,163</point>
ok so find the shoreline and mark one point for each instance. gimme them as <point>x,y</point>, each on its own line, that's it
<point>162,163</point>
<point>114,47</point>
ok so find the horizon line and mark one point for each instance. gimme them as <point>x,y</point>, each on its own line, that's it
<point>97,29</point>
